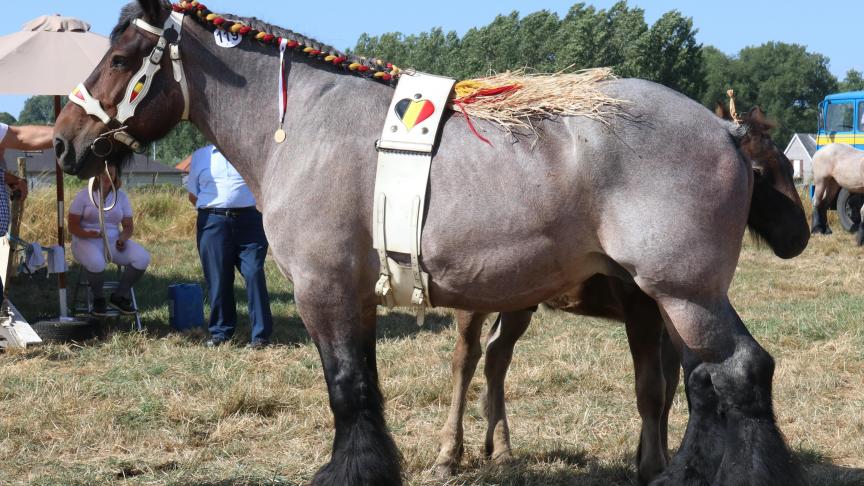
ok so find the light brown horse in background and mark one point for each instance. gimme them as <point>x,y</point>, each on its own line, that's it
<point>835,166</point>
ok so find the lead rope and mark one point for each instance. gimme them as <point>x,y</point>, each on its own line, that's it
<point>101,209</point>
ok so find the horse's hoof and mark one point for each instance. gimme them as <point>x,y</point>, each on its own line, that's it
<point>827,231</point>
<point>445,470</point>
<point>502,457</point>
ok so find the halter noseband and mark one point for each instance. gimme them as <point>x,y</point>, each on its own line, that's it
<point>137,89</point>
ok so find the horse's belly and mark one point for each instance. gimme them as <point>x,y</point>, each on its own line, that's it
<point>512,281</point>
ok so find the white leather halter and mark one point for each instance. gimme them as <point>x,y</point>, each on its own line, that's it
<point>138,87</point>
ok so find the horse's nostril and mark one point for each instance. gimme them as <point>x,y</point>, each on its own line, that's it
<point>59,147</point>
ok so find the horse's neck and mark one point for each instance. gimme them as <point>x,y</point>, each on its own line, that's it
<point>235,103</point>
<point>231,99</point>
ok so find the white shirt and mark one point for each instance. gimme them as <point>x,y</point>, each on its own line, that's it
<point>89,213</point>
<point>215,182</point>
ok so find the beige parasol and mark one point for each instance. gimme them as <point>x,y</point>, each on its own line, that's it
<point>50,56</point>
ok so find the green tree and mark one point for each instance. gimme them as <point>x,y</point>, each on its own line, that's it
<point>719,71</point>
<point>854,81</point>
<point>7,118</point>
<point>786,81</point>
<point>39,110</point>
<point>181,141</point>
<point>670,55</point>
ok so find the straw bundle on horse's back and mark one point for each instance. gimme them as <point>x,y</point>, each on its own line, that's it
<point>514,99</point>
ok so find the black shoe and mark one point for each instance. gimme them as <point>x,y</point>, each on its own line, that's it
<point>122,304</point>
<point>99,309</point>
<point>258,345</point>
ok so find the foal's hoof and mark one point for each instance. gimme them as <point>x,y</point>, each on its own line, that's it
<point>444,470</point>
<point>502,457</point>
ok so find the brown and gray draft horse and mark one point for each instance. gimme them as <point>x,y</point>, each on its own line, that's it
<point>655,360</point>
<point>659,199</point>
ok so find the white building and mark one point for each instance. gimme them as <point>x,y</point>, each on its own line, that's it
<point>800,152</point>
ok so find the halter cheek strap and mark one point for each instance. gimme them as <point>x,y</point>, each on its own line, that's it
<point>140,83</point>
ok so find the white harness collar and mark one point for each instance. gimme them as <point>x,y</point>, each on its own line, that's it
<point>138,87</point>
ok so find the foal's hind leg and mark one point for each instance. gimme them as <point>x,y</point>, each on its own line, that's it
<point>731,390</point>
<point>646,336</point>
<point>465,358</point>
<point>499,352</point>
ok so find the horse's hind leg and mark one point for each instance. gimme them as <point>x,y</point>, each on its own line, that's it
<point>825,192</point>
<point>363,450</point>
<point>859,234</point>
<point>499,353</point>
<point>645,334</point>
<point>730,398</point>
<point>465,358</point>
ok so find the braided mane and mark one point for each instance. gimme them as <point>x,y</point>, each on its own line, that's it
<point>268,34</point>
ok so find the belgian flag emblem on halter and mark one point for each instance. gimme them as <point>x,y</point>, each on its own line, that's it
<point>137,89</point>
<point>413,112</point>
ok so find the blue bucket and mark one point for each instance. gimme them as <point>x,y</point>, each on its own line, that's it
<point>185,306</point>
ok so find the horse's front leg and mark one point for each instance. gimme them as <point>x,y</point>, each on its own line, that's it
<point>465,358</point>
<point>343,328</point>
<point>499,353</point>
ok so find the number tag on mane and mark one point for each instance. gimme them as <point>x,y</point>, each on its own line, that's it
<point>227,39</point>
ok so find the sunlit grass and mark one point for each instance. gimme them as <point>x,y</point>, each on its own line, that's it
<point>160,408</point>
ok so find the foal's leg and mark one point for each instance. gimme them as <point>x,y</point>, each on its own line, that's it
<point>465,358</point>
<point>672,375</point>
<point>499,352</point>
<point>645,335</point>
<point>363,450</point>
<point>730,396</point>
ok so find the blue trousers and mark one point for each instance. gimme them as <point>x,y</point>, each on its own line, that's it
<point>226,242</point>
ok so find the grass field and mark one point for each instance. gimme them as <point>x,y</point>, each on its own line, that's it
<point>160,408</point>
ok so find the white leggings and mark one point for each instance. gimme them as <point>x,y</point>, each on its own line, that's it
<point>88,252</point>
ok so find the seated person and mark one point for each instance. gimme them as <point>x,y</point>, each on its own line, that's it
<point>88,242</point>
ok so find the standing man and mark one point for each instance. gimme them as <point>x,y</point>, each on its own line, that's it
<point>230,233</point>
<point>30,137</point>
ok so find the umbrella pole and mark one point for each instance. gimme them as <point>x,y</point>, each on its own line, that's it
<point>61,234</point>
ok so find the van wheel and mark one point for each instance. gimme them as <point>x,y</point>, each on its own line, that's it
<point>849,209</point>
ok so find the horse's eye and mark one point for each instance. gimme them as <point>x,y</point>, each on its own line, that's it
<point>118,62</point>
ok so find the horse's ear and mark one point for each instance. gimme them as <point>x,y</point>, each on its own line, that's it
<point>153,10</point>
<point>757,118</point>
<point>721,111</point>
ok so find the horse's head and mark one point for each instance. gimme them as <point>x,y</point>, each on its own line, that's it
<point>135,95</point>
<point>776,213</point>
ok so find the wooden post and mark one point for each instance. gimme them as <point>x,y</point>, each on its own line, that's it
<point>61,233</point>
<point>16,212</point>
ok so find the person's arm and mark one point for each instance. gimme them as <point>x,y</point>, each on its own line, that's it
<point>16,183</point>
<point>28,137</point>
<point>76,229</point>
<point>125,233</point>
<point>193,199</point>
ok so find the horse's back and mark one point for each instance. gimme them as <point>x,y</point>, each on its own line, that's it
<point>660,178</point>
<point>842,163</point>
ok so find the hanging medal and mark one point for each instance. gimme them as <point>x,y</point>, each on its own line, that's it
<point>280,135</point>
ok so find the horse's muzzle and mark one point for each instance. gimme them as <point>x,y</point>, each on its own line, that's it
<point>65,153</point>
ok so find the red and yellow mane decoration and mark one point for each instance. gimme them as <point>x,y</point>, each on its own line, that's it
<point>511,100</point>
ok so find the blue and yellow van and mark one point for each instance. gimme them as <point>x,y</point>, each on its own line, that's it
<point>841,120</point>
